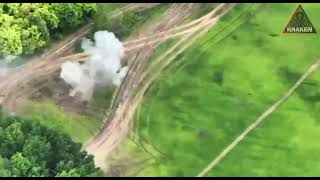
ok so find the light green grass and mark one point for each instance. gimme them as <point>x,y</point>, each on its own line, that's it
<point>147,17</point>
<point>220,85</point>
<point>127,23</point>
<point>204,8</point>
<point>286,144</point>
<point>104,11</point>
<point>81,128</point>
<point>101,101</point>
<point>139,20</point>
<point>162,48</point>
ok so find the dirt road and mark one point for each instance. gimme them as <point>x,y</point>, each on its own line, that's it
<point>136,67</point>
<point>17,78</point>
<point>18,84</point>
<point>117,123</point>
<point>42,67</point>
<point>21,84</point>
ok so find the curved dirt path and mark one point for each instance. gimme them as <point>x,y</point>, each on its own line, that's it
<point>113,126</point>
<point>121,122</point>
<point>134,45</point>
<point>117,125</point>
<point>17,82</point>
<point>142,72</point>
<point>173,30</point>
<point>19,75</point>
<point>75,37</point>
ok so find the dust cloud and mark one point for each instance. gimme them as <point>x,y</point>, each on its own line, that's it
<point>103,67</point>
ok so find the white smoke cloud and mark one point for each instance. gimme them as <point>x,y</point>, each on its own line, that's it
<point>102,68</point>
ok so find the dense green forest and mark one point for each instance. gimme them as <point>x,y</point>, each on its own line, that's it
<point>28,148</point>
<point>26,27</point>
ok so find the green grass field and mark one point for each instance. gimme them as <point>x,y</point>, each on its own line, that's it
<point>104,11</point>
<point>286,144</point>
<point>220,85</point>
<point>127,23</point>
<point>80,127</point>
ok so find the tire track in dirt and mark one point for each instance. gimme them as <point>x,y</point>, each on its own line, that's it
<point>126,92</point>
<point>259,120</point>
<point>40,66</point>
<point>126,80</point>
<point>161,36</point>
<point>75,37</point>
<point>17,78</point>
<point>149,40</point>
<point>169,58</point>
<point>114,131</point>
<point>17,82</point>
<point>43,69</point>
<point>134,7</point>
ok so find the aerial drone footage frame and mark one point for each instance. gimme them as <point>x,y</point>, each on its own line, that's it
<point>159,89</point>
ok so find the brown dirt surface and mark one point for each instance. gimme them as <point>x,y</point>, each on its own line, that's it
<point>117,122</point>
<point>16,85</point>
<point>25,81</point>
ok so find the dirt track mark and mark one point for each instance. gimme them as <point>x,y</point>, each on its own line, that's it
<point>156,38</point>
<point>134,7</point>
<point>115,129</point>
<point>113,133</point>
<point>120,113</point>
<point>123,88</point>
<point>260,119</point>
<point>17,83</point>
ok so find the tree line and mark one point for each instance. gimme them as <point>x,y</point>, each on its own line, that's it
<point>30,149</point>
<point>26,27</point>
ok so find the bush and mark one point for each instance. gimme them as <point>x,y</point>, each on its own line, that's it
<point>29,149</point>
<point>26,27</point>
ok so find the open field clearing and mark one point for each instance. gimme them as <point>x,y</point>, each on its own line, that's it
<point>79,127</point>
<point>284,145</point>
<point>81,124</point>
<point>182,89</point>
<point>116,127</point>
<point>208,95</point>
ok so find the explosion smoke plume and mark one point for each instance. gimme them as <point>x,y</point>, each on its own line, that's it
<point>103,67</point>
